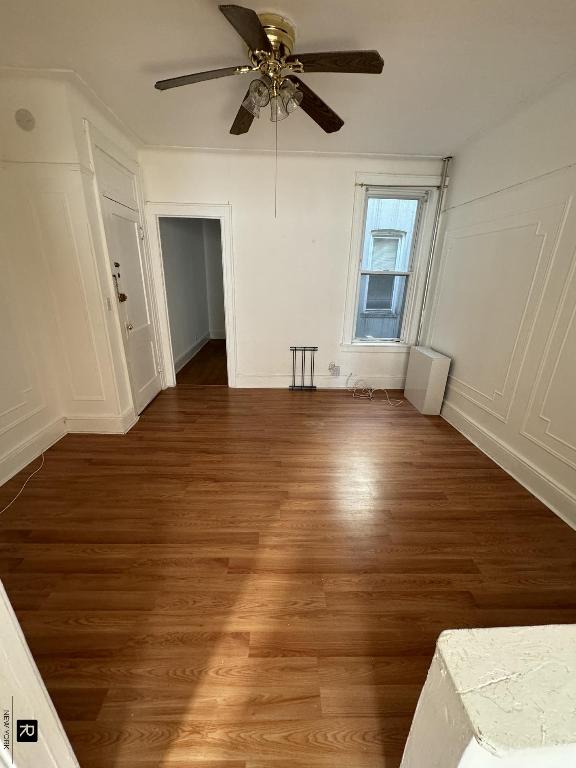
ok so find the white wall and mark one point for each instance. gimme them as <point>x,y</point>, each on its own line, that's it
<point>185,277</point>
<point>497,698</point>
<point>214,278</point>
<point>505,302</point>
<point>290,272</point>
<point>30,403</point>
<point>23,695</point>
<point>55,340</point>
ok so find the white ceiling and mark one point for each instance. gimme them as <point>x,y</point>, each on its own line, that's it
<point>453,67</point>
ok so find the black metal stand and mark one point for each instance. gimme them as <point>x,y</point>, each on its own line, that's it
<point>302,375</point>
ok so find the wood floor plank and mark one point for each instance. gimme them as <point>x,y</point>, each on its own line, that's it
<point>212,703</point>
<point>348,671</point>
<point>257,579</point>
<point>371,700</point>
<point>194,671</point>
<point>326,736</point>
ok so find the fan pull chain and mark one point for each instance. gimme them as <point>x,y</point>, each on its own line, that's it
<point>276,172</point>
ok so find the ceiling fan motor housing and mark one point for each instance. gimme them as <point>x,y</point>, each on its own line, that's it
<point>280,31</point>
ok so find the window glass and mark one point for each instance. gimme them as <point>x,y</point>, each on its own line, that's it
<point>385,271</point>
<point>392,217</point>
<point>384,252</point>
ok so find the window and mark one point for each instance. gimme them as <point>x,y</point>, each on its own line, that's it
<point>385,251</point>
<point>385,281</point>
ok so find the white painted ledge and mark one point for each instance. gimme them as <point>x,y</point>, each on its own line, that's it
<point>498,698</point>
<point>385,347</point>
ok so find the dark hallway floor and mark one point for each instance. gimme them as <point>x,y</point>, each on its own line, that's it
<point>208,367</point>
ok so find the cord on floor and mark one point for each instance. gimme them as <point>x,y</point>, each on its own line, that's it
<point>361,388</point>
<point>23,486</point>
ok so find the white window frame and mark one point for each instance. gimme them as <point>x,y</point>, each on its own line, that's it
<point>394,186</point>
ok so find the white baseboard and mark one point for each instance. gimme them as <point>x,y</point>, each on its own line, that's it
<point>218,333</point>
<point>553,495</point>
<point>102,425</point>
<point>322,381</point>
<point>28,450</point>
<point>185,357</point>
<point>20,456</point>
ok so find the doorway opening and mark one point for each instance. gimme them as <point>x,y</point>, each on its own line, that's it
<point>194,298</point>
<point>192,260</point>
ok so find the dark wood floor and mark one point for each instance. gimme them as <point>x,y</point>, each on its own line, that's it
<point>207,368</point>
<point>256,579</point>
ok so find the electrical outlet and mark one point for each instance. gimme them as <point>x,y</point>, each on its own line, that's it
<point>334,369</point>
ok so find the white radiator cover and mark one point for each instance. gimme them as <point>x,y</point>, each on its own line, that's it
<point>426,379</point>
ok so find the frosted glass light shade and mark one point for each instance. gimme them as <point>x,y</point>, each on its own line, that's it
<point>291,96</point>
<point>258,96</point>
<point>278,109</point>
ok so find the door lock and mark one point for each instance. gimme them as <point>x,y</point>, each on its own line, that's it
<point>121,296</point>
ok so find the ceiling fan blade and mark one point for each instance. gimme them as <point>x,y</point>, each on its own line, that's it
<point>246,22</point>
<point>317,109</point>
<point>198,77</point>
<point>368,62</point>
<point>243,120</point>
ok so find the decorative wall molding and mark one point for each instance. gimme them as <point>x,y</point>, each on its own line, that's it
<point>29,400</point>
<point>537,426</point>
<point>49,165</point>
<point>68,278</point>
<point>547,225</point>
<point>527,422</point>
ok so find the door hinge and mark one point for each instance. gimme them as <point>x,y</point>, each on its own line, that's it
<point>140,231</point>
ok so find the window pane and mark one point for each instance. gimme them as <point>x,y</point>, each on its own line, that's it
<point>379,292</point>
<point>381,306</point>
<point>388,232</point>
<point>389,229</point>
<point>385,253</point>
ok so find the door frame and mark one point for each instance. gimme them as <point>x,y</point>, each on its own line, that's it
<point>223,213</point>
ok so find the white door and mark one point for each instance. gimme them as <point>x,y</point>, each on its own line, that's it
<point>27,712</point>
<point>128,270</point>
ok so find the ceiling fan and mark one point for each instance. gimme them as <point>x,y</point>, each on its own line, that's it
<point>270,39</point>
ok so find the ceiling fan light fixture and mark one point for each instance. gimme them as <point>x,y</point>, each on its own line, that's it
<point>278,109</point>
<point>291,96</point>
<point>258,97</point>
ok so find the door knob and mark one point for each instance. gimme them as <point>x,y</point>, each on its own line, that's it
<point>129,326</point>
